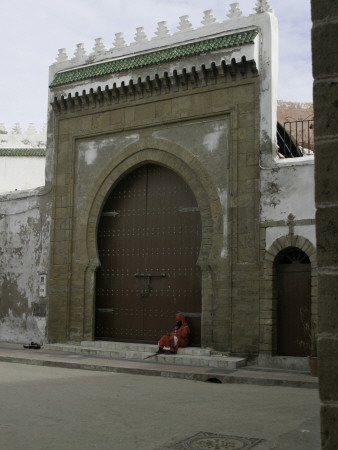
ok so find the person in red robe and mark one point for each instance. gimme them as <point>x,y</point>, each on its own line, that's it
<point>179,337</point>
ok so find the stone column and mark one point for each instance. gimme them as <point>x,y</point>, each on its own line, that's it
<point>325,90</point>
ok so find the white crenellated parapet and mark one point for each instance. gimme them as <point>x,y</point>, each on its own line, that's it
<point>119,41</point>
<point>16,129</point>
<point>143,43</point>
<point>140,36</point>
<point>80,52</point>
<point>62,56</point>
<point>162,30</point>
<point>208,18</point>
<point>31,131</point>
<point>18,139</point>
<point>262,6</point>
<point>99,46</point>
<point>184,25</point>
<point>234,12</point>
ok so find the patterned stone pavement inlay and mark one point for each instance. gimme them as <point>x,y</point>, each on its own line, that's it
<point>205,441</point>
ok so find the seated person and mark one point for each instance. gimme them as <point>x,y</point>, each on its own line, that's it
<point>179,337</point>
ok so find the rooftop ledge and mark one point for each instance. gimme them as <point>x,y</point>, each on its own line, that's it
<point>236,30</point>
<point>297,161</point>
<point>22,152</point>
<point>158,56</point>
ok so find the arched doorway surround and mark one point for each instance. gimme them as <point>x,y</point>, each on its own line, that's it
<point>189,169</point>
<point>269,289</point>
<point>293,269</point>
<point>149,239</point>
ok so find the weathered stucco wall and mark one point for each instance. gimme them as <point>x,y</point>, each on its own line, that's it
<point>287,219</point>
<point>22,158</point>
<point>287,199</point>
<point>24,252</point>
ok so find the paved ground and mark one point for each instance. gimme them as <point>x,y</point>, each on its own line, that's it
<point>113,405</point>
<point>245,375</point>
<point>57,408</point>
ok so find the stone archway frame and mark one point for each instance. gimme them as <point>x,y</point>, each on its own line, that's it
<point>268,297</point>
<point>178,159</point>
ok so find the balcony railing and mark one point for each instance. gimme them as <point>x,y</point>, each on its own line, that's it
<point>295,139</point>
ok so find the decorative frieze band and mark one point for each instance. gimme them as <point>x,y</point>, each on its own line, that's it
<point>157,86</point>
<point>155,57</point>
<point>22,152</point>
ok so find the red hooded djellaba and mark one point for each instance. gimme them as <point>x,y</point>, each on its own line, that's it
<point>179,337</point>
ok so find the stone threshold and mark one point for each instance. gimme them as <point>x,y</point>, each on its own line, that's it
<point>190,356</point>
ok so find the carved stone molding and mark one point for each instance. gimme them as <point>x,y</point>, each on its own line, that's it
<point>159,85</point>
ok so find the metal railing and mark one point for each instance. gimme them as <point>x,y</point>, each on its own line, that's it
<point>295,139</point>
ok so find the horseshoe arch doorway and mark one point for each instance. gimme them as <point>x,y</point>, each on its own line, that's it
<point>149,239</point>
<point>294,301</point>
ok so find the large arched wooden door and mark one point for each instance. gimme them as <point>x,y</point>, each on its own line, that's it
<point>149,239</point>
<point>294,302</point>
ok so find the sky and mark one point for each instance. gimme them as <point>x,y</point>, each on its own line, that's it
<point>31,32</point>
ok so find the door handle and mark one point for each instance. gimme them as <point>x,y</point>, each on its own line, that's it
<point>146,292</point>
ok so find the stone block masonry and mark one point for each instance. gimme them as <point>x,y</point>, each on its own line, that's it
<point>325,69</point>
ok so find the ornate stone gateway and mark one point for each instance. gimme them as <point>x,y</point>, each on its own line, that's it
<point>149,240</point>
<point>128,125</point>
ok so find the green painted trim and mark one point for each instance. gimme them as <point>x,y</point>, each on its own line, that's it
<point>156,57</point>
<point>22,152</point>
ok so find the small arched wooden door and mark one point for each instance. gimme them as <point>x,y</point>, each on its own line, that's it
<point>149,239</point>
<point>294,302</point>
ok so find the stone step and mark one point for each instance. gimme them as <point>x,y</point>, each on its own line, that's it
<point>148,348</point>
<point>193,356</point>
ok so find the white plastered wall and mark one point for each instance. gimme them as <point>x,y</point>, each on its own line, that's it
<point>20,172</point>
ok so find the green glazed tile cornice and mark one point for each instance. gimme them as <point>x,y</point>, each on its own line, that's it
<point>155,57</point>
<point>22,152</point>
